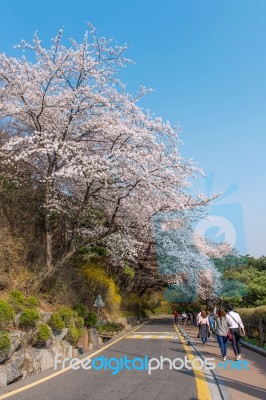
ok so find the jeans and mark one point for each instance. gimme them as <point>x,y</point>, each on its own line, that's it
<point>236,342</point>
<point>204,340</point>
<point>222,340</point>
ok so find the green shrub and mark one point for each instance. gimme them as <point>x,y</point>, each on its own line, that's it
<point>17,300</point>
<point>252,315</point>
<point>5,343</point>
<point>91,320</point>
<point>79,322</point>
<point>32,302</point>
<point>81,310</point>
<point>29,317</point>
<point>67,315</point>
<point>43,332</point>
<point>73,334</point>
<point>110,327</point>
<point>129,271</point>
<point>7,314</point>
<point>56,322</point>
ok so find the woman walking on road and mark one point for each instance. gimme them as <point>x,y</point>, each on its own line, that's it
<point>204,327</point>
<point>221,331</point>
<point>235,324</point>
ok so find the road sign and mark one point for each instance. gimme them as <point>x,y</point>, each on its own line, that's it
<point>99,301</point>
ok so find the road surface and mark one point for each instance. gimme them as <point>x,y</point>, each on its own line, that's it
<point>155,338</point>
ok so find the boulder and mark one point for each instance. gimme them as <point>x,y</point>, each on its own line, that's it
<point>3,376</point>
<point>16,319</point>
<point>37,360</point>
<point>61,335</point>
<point>45,316</point>
<point>83,342</point>
<point>17,339</point>
<point>64,348</point>
<point>14,366</point>
<point>95,339</point>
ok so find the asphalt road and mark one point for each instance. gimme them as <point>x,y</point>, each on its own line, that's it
<point>154,339</point>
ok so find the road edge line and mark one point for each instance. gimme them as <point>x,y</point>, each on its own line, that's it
<point>47,378</point>
<point>203,389</point>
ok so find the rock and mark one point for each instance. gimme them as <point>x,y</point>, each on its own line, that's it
<point>16,319</point>
<point>14,366</point>
<point>67,349</point>
<point>45,316</point>
<point>95,339</point>
<point>17,339</point>
<point>37,360</point>
<point>3,376</point>
<point>63,348</point>
<point>84,340</point>
<point>61,335</point>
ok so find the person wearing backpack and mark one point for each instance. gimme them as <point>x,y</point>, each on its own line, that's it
<point>236,328</point>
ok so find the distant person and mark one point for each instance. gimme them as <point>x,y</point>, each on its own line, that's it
<point>198,317</point>
<point>204,327</point>
<point>194,318</point>
<point>184,317</point>
<point>235,324</point>
<point>176,316</point>
<point>189,318</point>
<point>212,323</point>
<point>221,331</point>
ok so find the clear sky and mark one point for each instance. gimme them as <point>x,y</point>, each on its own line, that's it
<point>207,61</point>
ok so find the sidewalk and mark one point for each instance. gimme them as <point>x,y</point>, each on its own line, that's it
<point>240,384</point>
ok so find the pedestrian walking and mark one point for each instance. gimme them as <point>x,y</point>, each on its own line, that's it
<point>236,328</point>
<point>198,317</point>
<point>221,331</point>
<point>211,322</point>
<point>204,327</point>
<point>176,316</point>
<point>184,317</point>
<point>194,318</point>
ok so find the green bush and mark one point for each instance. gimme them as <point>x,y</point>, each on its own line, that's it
<point>79,322</point>
<point>73,334</point>
<point>17,300</point>
<point>91,320</point>
<point>32,302</point>
<point>252,315</point>
<point>67,315</point>
<point>56,322</point>
<point>29,317</point>
<point>110,327</point>
<point>7,314</point>
<point>81,310</point>
<point>5,343</point>
<point>43,332</point>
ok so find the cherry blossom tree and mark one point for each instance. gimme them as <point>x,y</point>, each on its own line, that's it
<point>103,166</point>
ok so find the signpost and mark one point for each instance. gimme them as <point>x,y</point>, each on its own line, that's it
<point>99,303</point>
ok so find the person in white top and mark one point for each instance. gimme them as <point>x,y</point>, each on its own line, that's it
<point>235,323</point>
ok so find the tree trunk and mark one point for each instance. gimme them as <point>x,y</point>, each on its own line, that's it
<point>48,233</point>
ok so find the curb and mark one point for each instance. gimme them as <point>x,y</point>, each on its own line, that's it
<point>254,348</point>
<point>212,377</point>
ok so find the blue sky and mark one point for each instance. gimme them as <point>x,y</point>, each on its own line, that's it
<point>207,61</point>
